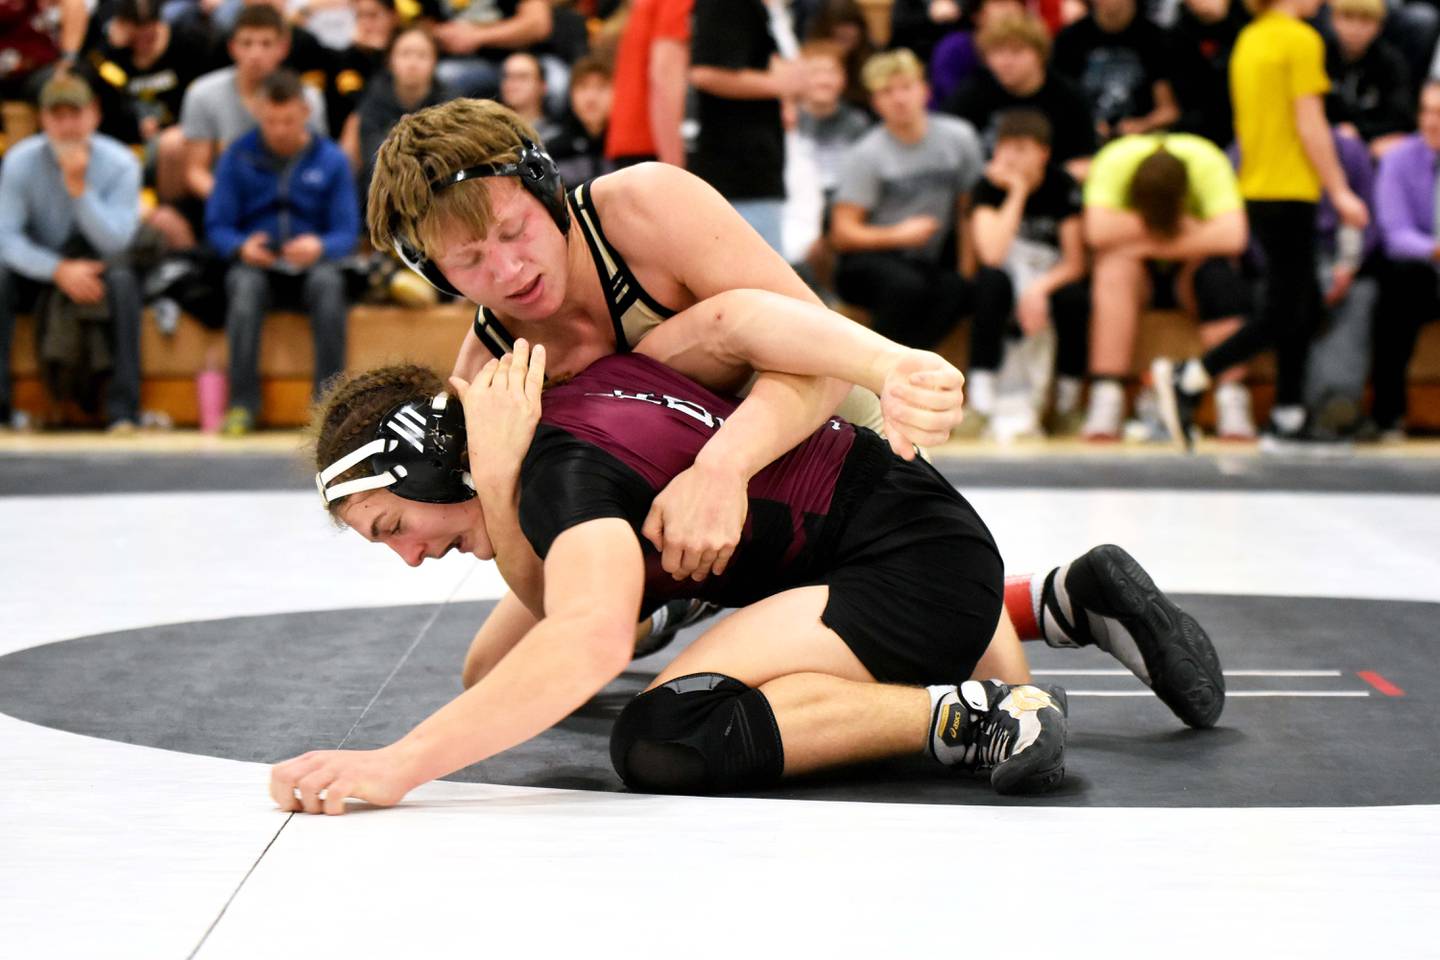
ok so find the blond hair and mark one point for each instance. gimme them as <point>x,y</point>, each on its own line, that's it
<point>1369,9</point>
<point>884,67</point>
<point>1012,29</point>
<point>433,143</point>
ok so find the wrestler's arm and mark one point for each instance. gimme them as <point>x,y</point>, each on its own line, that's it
<point>720,340</point>
<point>594,577</point>
<point>563,661</point>
<point>707,248</point>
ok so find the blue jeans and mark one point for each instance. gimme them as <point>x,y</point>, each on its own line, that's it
<point>764,216</point>
<point>250,292</point>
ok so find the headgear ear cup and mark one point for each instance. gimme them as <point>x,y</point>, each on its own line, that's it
<point>536,172</point>
<point>418,454</point>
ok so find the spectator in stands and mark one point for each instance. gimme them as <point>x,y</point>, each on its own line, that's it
<point>142,70</point>
<point>1031,246</point>
<point>826,126</point>
<point>1340,356</point>
<point>1287,152</point>
<point>1370,97</point>
<point>843,22</point>
<point>1405,192</point>
<point>1121,62</point>
<point>741,147</point>
<point>957,55</point>
<point>362,60</point>
<point>1015,50</point>
<point>1202,40</point>
<point>406,86</point>
<point>476,37</point>
<point>311,61</point>
<point>144,65</point>
<point>651,64</point>
<point>901,198</point>
<point>214,112</point>
<point>522,89</point>
<point>30,48</point>
<point>1164,218</point>
<point>578,143</point>
<point>824,118</point>
<point>69,208</point>
<point>918,25</point>
<point>281,250</point>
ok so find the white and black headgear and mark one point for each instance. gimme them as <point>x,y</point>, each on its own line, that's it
<point>417,454</point>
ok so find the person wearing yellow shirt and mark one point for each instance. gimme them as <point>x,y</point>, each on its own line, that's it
<point>1287,157</point>
<point>1164,217</point>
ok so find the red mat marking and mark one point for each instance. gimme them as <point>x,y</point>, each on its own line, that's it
<point>1380,683</point>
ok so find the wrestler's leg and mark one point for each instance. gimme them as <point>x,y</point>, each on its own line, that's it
<point>1004,659</point>
<point>1106,599</point>
<point>829,710</point>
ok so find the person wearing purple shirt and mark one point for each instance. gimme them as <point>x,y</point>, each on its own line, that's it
<point>1405,206</point>
<point>1339,360</point>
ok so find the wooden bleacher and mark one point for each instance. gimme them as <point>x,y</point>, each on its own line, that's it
<point>387,334</point>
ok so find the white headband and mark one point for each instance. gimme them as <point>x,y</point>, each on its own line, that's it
<point>331,494</point>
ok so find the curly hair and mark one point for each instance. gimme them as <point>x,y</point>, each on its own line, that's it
<point>433,143</point>
<point>349,412</point>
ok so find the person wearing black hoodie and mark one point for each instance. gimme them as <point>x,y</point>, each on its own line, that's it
<point>1369,95</point>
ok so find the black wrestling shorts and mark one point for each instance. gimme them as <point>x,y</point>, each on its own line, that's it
<point>916,581</point>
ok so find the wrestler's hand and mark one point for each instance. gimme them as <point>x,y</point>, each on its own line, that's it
<point>375,776</point>
<point>921,402</point>
<point>502,407</point>
<point>696,521</point>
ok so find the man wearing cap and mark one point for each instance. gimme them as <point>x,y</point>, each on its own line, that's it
<point>69,207</point>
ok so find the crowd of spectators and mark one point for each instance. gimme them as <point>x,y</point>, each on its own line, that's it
<point>1044,169</point>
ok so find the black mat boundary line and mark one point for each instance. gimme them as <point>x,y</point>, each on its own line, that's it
<point>1125,752</point>
<point>1252,473</point>
<point>90,473</point>
<point>56,474</point>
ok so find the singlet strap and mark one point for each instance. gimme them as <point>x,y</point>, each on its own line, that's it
<point>492,333</point>
<point>622,290</point>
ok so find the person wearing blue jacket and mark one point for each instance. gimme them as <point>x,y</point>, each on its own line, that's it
<point>284,211</point>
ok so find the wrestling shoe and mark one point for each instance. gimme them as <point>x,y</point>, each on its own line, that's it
<point>1016,732</point>
<point>1177,406</point>
<point>1131,619</point>
<point>667,622</point>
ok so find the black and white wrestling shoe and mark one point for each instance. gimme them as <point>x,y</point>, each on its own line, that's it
<point>1107,599</point>
<point>1016,732</point>
<point>669,620</point>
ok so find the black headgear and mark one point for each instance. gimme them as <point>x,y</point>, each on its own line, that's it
<point>538,174</point>
<point>417,454</point>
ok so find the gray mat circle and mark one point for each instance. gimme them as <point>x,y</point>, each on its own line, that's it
<point>270,687</point>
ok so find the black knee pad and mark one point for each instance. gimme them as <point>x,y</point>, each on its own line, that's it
<point>1220,291</point>
<point>704,733</point>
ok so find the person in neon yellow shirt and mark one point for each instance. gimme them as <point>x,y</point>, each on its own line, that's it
<point>1164,215</point>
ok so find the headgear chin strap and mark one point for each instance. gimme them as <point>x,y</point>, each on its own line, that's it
<point>538,174</point>
<point>416,454</point>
